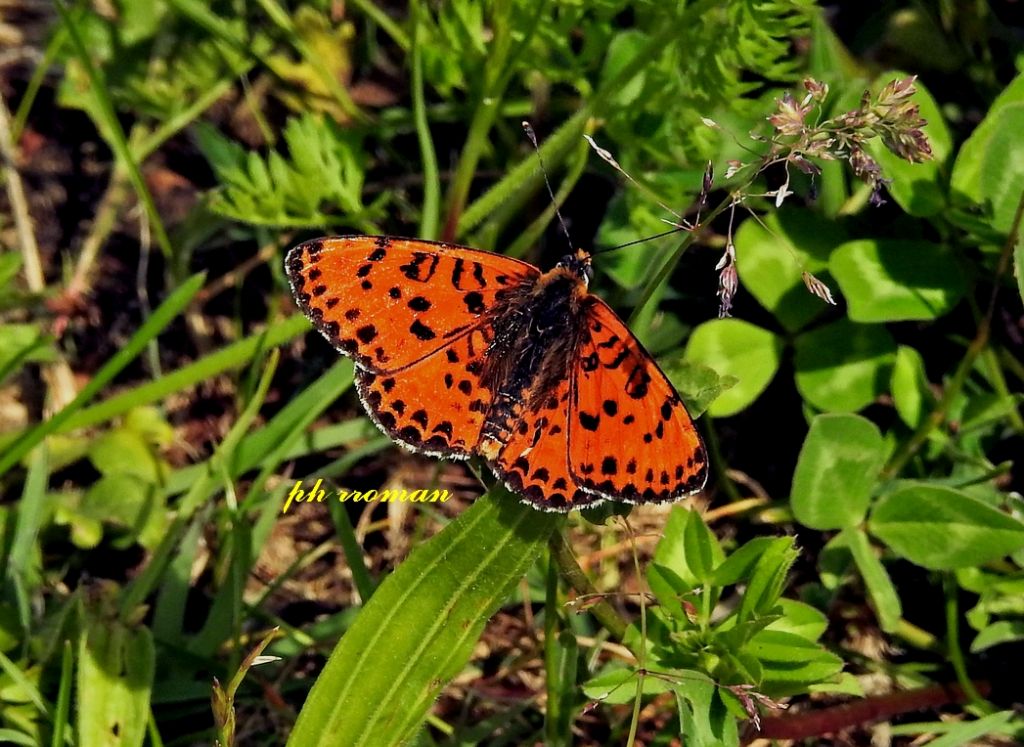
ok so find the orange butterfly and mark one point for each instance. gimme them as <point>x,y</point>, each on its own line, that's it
<point>461,352</point>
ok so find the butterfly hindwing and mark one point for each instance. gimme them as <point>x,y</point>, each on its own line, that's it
<point>388,302</point>
<point>533,461</point>
<point>436,405</point>
<point>630,437</point>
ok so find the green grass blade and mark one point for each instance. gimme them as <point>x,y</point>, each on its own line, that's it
<point>20,680</point>
<point>430,214</point>
<point>112,126</point>
<point>160,318</point>
<point>231,357</point>
<point>419,629</point>
<point>62,713</point>
<point>145,582</point>
<point>525,177</point>
<point>30,512</point>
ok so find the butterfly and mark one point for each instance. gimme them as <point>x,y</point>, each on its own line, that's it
<point>461,352</point>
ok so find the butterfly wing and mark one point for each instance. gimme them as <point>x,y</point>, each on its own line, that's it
<point>629,437</point>
<point>533,460</point>
<point>389,303</point>
<point>436,405</point>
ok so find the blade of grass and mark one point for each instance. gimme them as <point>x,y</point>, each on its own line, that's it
<point>20,680</point>
<point>53,48</point>
<point>499,69</point>
<point>420,627</point>
<point>143,584</point>
<point>430,214</point>
<point>277,438</point>
<point>372,11</point>
<point>111,125</point>
<point>169,611</point>
<point>525,177</point>
<point>62,713</point>
<point>533,232</point>
<point>161,317</point>
<point>322,439</point>
<point>228,358</point>
<point>31,510</point>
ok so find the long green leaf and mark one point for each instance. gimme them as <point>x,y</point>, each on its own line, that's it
<point>419,628</point>
<point>160,318</point>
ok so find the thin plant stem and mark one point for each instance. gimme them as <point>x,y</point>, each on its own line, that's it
<point>371,10</point>
<point>953,650</point>
<point>19,205</point>
<point>118,141</point>
<point>570,570</point>
<point>938,415</point>
<point>430,211</point>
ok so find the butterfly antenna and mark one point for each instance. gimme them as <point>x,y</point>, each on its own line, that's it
<point>644,240</point>
<point>533,139</point>
<point>608,158</point>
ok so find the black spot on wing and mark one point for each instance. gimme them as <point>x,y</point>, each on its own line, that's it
<point>366,334</point>
<point>421,331</point>
<point>474,302</point>
<point>422,267</point>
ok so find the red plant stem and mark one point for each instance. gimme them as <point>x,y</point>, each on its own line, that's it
<point>833,719</point>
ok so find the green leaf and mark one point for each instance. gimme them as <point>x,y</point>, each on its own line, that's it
<point>697,384</point>
<point>771,258</point>
<point>970,732</point>
<point>21,343</point>
<point>768,579</point>
<point>700,547</point>
<point>623,48</point>
<point>836,471</point>
<point>1003,631</point>
<point>670,574</point>
<point>941,528</point>
<point>790,663</point>
<point>115,680</point>
<point>736,348</point>
<point>910,392</point>
<point>322,178</point>
<point>843,366</point>
<point>989,169</point>
<point>740,564</point>
<point>617,686</point>
<point>419,628</point>
<point>800,619</point>
<point>124,451</point>
<point>916,187</point>
<point>703,717</point>
<point>886,280</point>
<point>160,318</point>
<point>1018,261</point>
<point>881,590</point>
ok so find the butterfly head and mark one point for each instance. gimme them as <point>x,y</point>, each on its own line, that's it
<point>578,265</point>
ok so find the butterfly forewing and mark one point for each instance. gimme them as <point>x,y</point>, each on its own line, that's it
<point>389,302</point>
<point>630,437</point>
